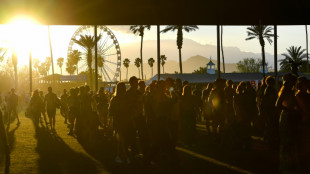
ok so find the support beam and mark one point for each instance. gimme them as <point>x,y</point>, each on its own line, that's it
<point>275,29</point>
<point>158,52</point>
<point>96,60</point>
<point>218,51</point>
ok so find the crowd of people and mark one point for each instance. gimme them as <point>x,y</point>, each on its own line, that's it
<point>152,120</point>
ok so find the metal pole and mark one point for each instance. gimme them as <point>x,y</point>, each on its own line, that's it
<point>158,52</point>
<point>52,60</point>
<point>307,49</point>
<point>30,71</point>
<point>276,53</point>
<point>218,52</point>
<point>96,61</point>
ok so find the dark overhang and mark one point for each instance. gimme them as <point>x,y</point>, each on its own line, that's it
<point>163,12</point>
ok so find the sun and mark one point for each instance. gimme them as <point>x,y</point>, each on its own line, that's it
<point>24,34</point>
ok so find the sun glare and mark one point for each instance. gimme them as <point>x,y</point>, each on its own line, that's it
<point>24,34</point>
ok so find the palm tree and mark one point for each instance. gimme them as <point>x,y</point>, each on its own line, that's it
<point>14,61</point>
<point>42,69</point>
<point>70,68</point>
<point>88,43</point>
<point>138,64</point>
<point>140,29</point>
<point>163,59</point>
<point>180,29</point>
<point>293,59</point>
<point>151,63</point>
<point>75,57</point>
<point>260,32</point>
<point>47,64</point>
<point>60,62</point>
<point>126,63</point>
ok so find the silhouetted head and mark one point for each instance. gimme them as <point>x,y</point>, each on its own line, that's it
<point>12,91</point>
<point>49,89</point>
<point>87,88</point>
<point>141,85</point>
<point>65,91</point>
<point>187,90</point>
<point>133,81</point>
<point>270,81</point>
<point>229,83</point>
<point>185,82</point>
<point>302,84</point>
<point>120,89</point>
<point>35,93</point>
<point>101,90</point>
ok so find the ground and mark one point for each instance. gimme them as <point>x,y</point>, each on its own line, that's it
<point>41,151</point>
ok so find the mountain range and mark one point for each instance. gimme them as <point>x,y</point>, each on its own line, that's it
<point>194,55</point>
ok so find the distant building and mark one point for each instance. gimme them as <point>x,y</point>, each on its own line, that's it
<point>210,67</point>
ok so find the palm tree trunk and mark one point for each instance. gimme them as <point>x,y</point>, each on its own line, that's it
<point>77,68</point>
<point>152,71</point>
<point>127,74</point>
<point>307,49</point>
<point>16,76</point>
<point>163,69</point>
<point>50,43</point>
<point>222,48</point>
<point>180,61</point>
<point>141,56</point>
<point>158,52</point>
<point>263,55</point>
<point>61,70</point>
<point>139,72</point>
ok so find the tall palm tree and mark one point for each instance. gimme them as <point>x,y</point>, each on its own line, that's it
<point>60,62</point>
<point>293,58</point>
<point>48,64</point>
<point>151,63</point>
<point>88,43</point>
<point>70,68</point>
<point>261,32</point>
<point>140,29</point>
<point>222,49</point>
<point>75,57</point>
<point>163,59</point>
<point>15,61</point>
<point>180,28</point>
<point>126,63</point>
<point>138,64</point>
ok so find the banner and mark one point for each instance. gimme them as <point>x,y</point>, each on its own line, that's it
<point>73,78</point>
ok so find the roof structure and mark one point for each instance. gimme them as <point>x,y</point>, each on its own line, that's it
<point>159,12</point>
<point>210,63</point>
<point>206,78</point>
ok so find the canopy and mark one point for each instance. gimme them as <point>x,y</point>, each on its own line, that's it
<point>159,12</point>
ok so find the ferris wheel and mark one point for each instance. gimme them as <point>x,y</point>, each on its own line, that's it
<point>108,51</point>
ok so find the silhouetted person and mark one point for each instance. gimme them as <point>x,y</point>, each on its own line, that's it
<point>270,113</point>
<point>241,117</point>
<point>35,106</point>
<point>122,122</point>
<point>289,122</point>
<point>64,109</point>
<point>207,107</point>
<point>229,97</point>
<point>12,106</point>
<point>51,102</point>
<point>4,139</point>
<point>102,106</point>
<point>135,109</point>
<point>217,101</point>
<point>303,99</point>
<point>188,119</point>
<point>43,111</point>
<point>73,104</point>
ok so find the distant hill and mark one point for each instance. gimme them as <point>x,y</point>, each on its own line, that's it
<point>171,66</point>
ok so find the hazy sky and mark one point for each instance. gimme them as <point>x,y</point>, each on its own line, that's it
<point>60,35</point>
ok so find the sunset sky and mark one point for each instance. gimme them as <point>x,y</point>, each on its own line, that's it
<point>35,37</point>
